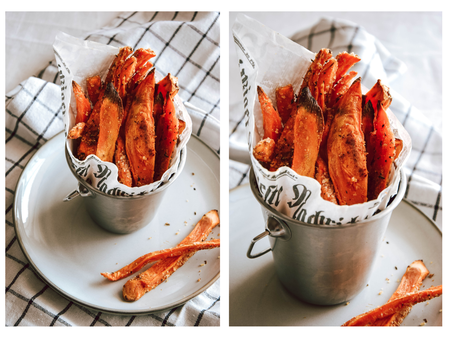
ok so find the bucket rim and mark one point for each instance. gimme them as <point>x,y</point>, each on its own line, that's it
<point>163,186</point>
<point>290,221</point>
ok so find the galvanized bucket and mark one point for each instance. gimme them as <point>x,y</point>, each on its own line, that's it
<point>122,214</point>
<point>320,264</point>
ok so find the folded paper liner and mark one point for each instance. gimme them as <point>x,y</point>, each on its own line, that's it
<point>77,60</point>
<point>271,60</point>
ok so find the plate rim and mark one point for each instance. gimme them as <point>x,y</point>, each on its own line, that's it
<point>77,301</point>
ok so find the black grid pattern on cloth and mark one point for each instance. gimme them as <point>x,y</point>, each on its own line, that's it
<point>424,166</point>
<point>33,115</point>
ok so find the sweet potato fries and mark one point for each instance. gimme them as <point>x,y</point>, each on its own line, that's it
<point>404,298</point>
<point>331,132</point>
<point>116,120</point>
<point>169,260</point>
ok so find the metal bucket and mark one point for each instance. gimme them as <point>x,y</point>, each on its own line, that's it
<point>320,264</point>
<point>122,214</point>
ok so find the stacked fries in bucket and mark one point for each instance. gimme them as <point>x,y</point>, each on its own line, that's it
<point>125,133</point>
<point>331,132</point>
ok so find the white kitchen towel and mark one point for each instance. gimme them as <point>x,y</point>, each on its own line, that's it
<point>187,46</point>
<point>424,166</point>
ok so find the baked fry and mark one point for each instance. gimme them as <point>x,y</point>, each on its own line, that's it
<point>345,62</point>
<point>382,146</point>
<point>346,151</point>
<point>138,286</point>
<point>142,55</point>
<point>326,81</point>
<point>166,138</point>
<point>323,177</point>
<point>112,69</point>
<point>411,282</point>
<point>339,89</point>
<point>398,147</point>
<point>379,92</point>
<point>313,71</point>
<point>140,133</point>
<point>124,53</point>
<point>94,85</point>
<point>284,150</point>
<point>138,76</point>
<point>122,163</point>
<point>83,105</point>
<point>125,75</point>
<point>271,119</point>
<point>181,126</point>
<point>158,255</point>
<point>111,113</point>
<point>76,131</point>
<point>169,84</point>
<point>368,115</point>
<point>89,138</point>
<point>394,306</point>
<point>308,131</point>
<point>285,102</point>
<point>264,151</point>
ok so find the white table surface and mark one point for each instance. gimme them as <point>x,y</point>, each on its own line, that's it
<point>413,37</point>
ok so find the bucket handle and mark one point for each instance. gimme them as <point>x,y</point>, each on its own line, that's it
<point>81,191</point>
<point>274,228</point>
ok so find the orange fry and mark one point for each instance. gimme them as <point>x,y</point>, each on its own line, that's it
<point>142,55</point>
<point>285,101</point>
<point>379,92</point>
<point>138,286</point>
<point>394,306</point>
<point>398,147</point>
<point>93,84</point>
<point>411,282</point>
<point>323,177</point>
<point>339,89</point>
<point>140,133</point>
<point>181,126</point>
<point>125,75</point>
<point>138,76</point>
<point>83,105</point>
<point>88,144</point>
<point>325,82</point>
<point>122,163</point>
<point>382,145</point>
<point>264,151</point>
<point>111,113</point>
<point>169,84</point>
<point>312,74</point>
<point>124,53</point>
<point>271,119</point>
<point>346,150</point>
<point>166,138</point>
<point>76,131</point>
<point>308,131</point>
<point>345,62</point>
<point>284,150</point>
<point>158,255</point>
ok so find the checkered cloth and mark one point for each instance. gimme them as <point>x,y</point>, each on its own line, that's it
<point>187,46</point>
<point>423,168</point>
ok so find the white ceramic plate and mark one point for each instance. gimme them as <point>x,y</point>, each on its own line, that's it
<point>258,298</point>
<point>68,250</point>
